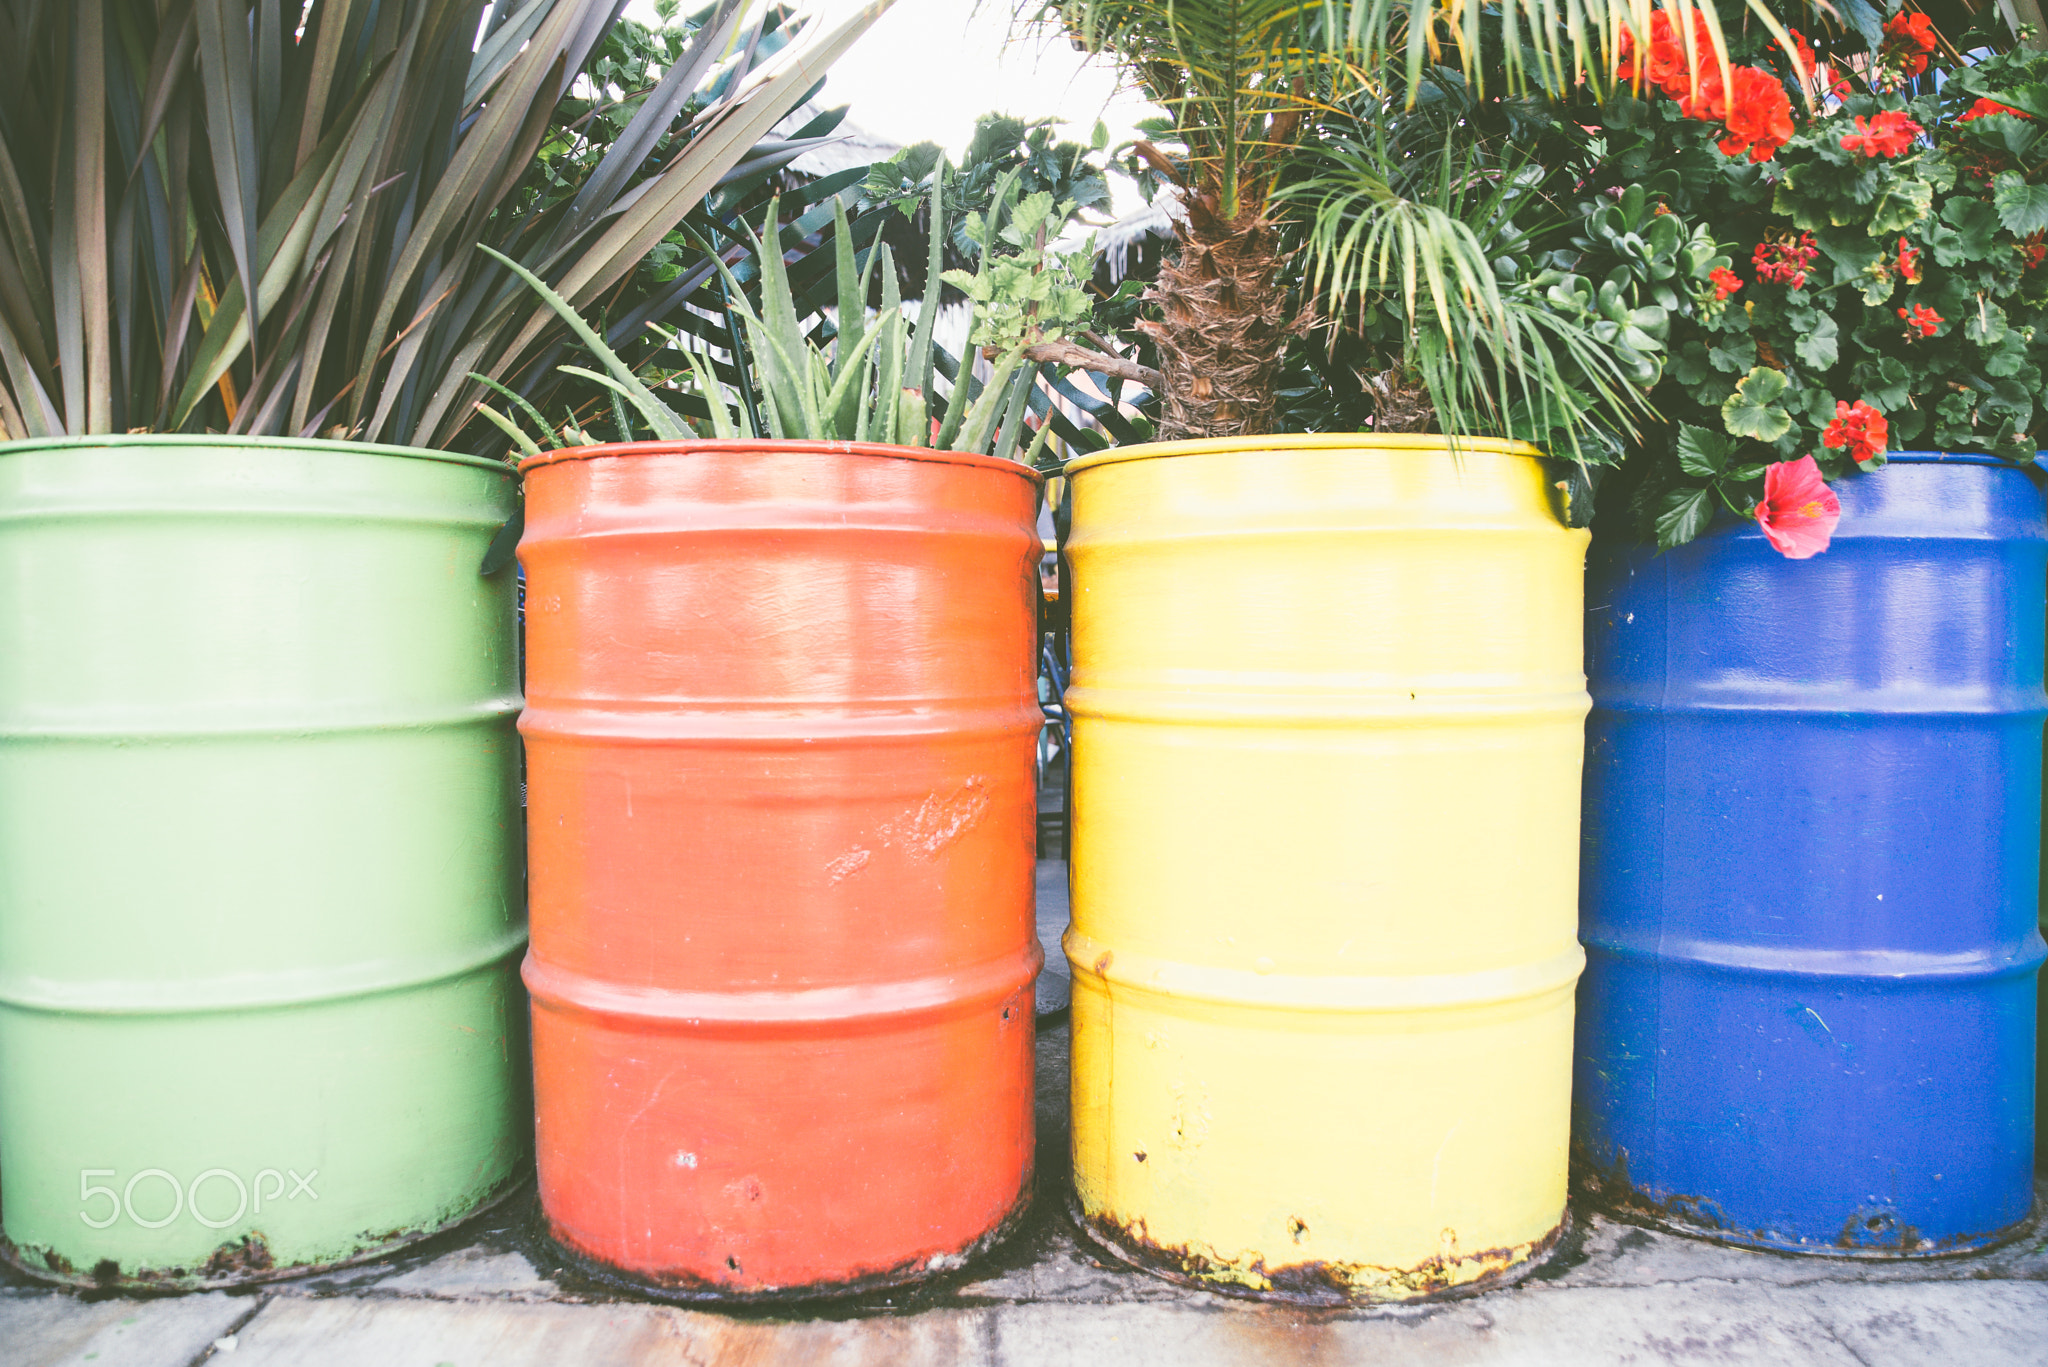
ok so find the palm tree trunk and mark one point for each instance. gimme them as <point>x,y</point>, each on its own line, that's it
<point>1224,326</point>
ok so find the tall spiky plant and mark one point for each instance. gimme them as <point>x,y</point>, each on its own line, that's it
<point>876,385</point>
<point>259,216</point>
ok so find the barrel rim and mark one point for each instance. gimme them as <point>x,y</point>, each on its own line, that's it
<point>1953,458</point>
<point>1425,442</point>
<point>762,446</point>
<point>187,440</point>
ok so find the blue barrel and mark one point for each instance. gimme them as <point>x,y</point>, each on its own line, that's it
<point>1809,888</point>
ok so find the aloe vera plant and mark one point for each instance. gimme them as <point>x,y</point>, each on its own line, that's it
<point>878,382</point>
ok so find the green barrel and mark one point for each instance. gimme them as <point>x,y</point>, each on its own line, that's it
<point>261,888</point>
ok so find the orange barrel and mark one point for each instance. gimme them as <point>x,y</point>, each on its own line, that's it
<point>781,717</point>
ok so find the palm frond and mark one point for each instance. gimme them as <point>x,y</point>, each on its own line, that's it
<point>1418,236</point>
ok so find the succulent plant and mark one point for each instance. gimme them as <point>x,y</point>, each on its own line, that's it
<point>876,384</point>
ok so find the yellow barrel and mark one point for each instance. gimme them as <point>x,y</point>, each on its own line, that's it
<point>1328,705</point>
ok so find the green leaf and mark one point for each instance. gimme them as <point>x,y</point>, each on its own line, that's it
<point>1734,356</point>
<point>1985,324</point>
<point>854,379</point>
<point>667,426</point>
<point>1689,365</point>
<point>1900,204</point>
<point>1819,346</point>
<point>2008,359</point>
<point>510,429</point>
<point>518,400</point>
<point>1975,224</point>
<point>1888,384</point>
<point>978,428</point>
<point>722,425</point>
<point>2022,208</point>
<point>1702,454</point>
<point>919,374</point>
<point>890,356</point>
<point>853,298</point>
<point>1752,411</point>
<point>1683,515</point>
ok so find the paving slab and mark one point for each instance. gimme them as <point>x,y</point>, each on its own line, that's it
<point>1602,1251</point>
<point>469,1273</point>
<point>56,1329</point>
<point>292,1331</point>
<point>1696,1324</point>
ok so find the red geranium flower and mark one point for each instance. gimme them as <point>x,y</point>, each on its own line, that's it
<point>1784,259</point>
<point>1759,115</point>
<point>1983,107</point>
<point>1798,512</point>
<point>1708,103</point>
<point>1666,67</point>
<point>1887,133</point>
<point>1726,282</point>
<point>1804,59</point>
<point>1909,263</point>
<point>1859,428</point>
<point>1625,50</point>
<point>2034,249</point>
<point>1908,38</point>
<point>1669,69</point>
<point>1922,319</point>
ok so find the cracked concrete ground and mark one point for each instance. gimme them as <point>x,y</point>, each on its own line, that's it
<point>496,1294</point>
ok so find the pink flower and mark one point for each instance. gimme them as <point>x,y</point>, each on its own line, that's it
<point>1799,512</point>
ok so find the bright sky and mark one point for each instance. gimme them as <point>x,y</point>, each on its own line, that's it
<point>929,68</point>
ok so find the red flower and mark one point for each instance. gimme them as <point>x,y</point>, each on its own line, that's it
<point>1708,103</point>
<point>1922,319</point>
<point>1726,282</point>
<point>1859,428</point>
<point>1909,263</point>
<point>1798,512</point>
<point>1804,60</point>
<point>1759,115</point>
<point>1981,166</point>
<point>1984,107</point>
<point>2033,249</point>
<point>1908,38</point>
<point>1625,50</point>
<point>1887,133</point>
<point>1667,67</point>
<point>1784,260</point>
